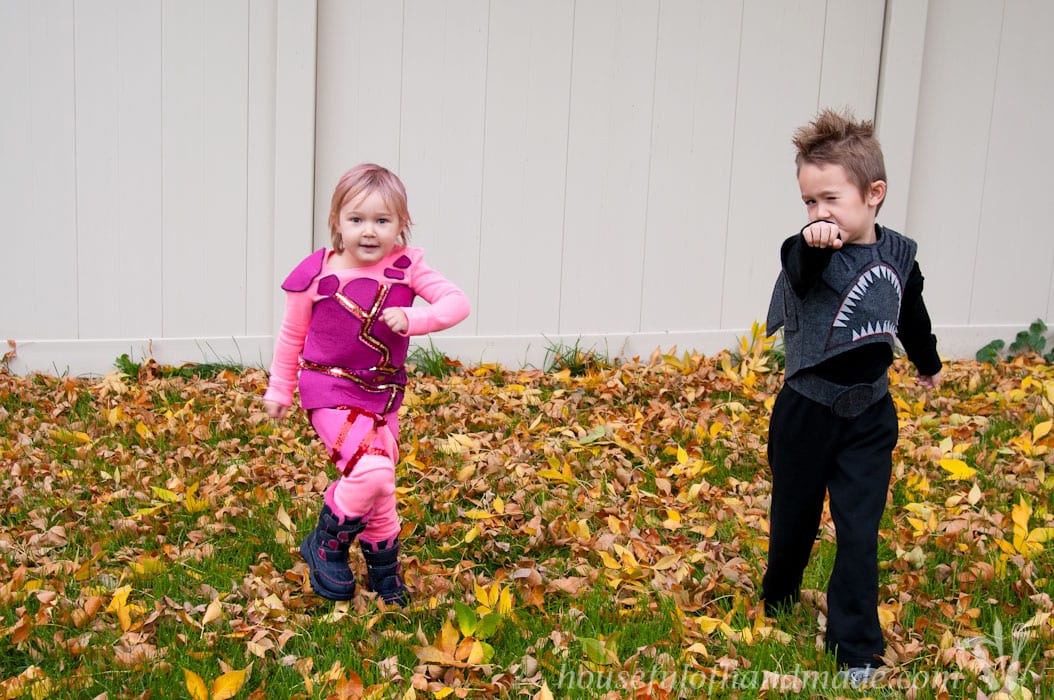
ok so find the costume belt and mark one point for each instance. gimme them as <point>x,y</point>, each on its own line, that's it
<point>387,383</point>
<point>844,401</point>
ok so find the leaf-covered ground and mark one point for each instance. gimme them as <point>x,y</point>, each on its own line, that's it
<point>600,533</point>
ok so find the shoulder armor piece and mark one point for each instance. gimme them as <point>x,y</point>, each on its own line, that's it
<point>305,273</point>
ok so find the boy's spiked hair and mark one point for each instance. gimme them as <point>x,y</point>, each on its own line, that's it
<point>840,139</point>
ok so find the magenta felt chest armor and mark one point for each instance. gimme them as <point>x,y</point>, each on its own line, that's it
<point>350,356</point>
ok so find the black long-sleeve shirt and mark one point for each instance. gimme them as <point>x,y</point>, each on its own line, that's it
<point>804,266</point>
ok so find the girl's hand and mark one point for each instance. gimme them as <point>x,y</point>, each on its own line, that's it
<point>395,318</point>
<point>930,381</point>
<point>275,410</point>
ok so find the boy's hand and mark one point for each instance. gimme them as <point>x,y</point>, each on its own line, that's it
<point>930,381</point>
<point>275,410</point>
<point>822,234</point>
<point>395,318</point>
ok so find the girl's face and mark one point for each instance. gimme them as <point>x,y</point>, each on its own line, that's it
<point>368,229</point>
<point>829,194</point>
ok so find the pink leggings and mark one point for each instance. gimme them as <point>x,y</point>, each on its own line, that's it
<point>369,490</point>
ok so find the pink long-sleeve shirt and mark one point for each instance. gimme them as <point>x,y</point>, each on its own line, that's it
<point>332,336</point>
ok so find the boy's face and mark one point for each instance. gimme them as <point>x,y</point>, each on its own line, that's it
<point>829,194</point>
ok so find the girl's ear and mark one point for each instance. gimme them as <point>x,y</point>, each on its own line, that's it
<point>876,193</point>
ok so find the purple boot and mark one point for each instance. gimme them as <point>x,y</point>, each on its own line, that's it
<point>382,569</point>
<point>325,550</point>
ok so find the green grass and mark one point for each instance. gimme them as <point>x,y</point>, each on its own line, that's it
<point>607,588</point>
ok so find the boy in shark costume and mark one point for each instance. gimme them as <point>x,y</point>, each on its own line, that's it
<point>847,290</point>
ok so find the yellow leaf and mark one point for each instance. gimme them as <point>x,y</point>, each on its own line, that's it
<point>708,624</point>
<point>957,468</point>
<point>505,602</point>
<point>432,655</point>
<point>195,686</point>
<point>120,599</point>
<point>476,514</point>
<point>475,656</point>
<point>228,685</point>
<point>544,693</point>
<point>1040,430</point>
<point>886,616</point>
<point>149,510</point>
<point>499,505</point>
<point>448,638</point>
<point>1041,534</point>
<point>563,475</point>
<point>124,618</point>
<point>975,495</point>
<point>284,519</point>
<point>195,504</point>
<point>114,415</point>
<point>164,494</point>
<point>609,561</point>
<point>213,612</point>
<point>147,566</point>
<point>482,595</point>
<point>144,432</point>
<point>667,562</point>
<point>472,534</point>
<point>682,456</point>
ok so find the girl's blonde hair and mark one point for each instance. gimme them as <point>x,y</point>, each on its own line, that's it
<point>364,179</point>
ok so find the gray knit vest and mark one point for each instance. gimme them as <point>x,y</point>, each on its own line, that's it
<point>856,302</point>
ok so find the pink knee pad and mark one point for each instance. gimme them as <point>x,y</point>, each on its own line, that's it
<point>369,492</point>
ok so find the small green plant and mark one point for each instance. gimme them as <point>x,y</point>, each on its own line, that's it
<point>573,358</point>
<point>1032,340</point>
<point>190,370</point>
<point>126,365</point>
<point>431,361</point>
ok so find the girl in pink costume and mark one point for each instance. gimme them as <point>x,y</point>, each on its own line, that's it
<point>349,315</point>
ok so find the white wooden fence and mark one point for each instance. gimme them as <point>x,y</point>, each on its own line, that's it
<point>617,174</point>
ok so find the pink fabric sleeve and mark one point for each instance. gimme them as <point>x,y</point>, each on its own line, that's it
<point>288,345</point>
<point>447,304</point>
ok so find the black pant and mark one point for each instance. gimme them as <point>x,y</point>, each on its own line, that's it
<point>812,451</point>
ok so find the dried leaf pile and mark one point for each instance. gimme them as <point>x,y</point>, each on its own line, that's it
<point>612,521</point>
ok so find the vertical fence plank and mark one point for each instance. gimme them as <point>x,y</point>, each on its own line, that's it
<point>294,139</point>
<point>612,85</point>
<point>897,109</point>
<point>441,147</point>
<point>204,116</point>
<point>528,78</point>
<point>1015,251</point>
<point>359,96</point>
<point>118,169</point>
<point>260,168</point>
<point>852,47</point>
<point>21,243</point>
<point>779,64</point>
<point>947,180</point>
<point>688,190</point>
<point>39,198</point>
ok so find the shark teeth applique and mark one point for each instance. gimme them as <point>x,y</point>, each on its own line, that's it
<point>868,325</point>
